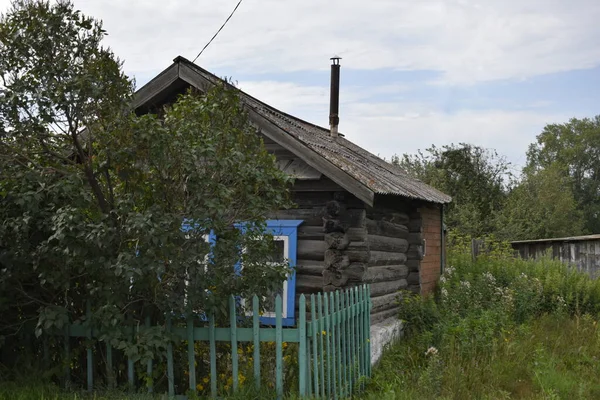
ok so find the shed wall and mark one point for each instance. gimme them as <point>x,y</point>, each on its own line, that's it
<point>583,254</point>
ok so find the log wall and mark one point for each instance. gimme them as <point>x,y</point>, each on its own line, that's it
<point>388,242</point>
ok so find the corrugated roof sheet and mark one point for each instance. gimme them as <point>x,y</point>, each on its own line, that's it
<point>378,175</point>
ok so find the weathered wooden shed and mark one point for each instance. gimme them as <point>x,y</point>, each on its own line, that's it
<point>362,218</point>
<point>582,252</point>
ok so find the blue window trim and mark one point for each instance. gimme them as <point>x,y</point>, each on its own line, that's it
<point>289,228</point>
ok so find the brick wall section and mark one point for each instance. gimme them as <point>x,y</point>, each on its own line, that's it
<point>429,273</point>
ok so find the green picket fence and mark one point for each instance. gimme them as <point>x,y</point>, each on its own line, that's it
<point>332,335</point>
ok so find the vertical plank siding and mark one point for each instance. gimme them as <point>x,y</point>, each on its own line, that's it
<point>331,340</point>
<point>581,252</point>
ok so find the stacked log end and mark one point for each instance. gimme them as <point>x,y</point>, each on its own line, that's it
<point>347,254</point>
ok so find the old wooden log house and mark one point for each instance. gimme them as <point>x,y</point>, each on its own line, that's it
<point>359,218</point>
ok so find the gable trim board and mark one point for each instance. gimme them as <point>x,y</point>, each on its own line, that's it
<point>352,167</point>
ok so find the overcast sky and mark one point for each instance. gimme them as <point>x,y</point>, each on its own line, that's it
<point>414,73</point>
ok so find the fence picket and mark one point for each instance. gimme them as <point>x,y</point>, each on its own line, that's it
<point>191,353</point>
<point>302,347</point>
<point>130,375</point>
<point>315,334</point>
<point>356,337</point>
<point>109,366</point>
<point>366,328</point>
<point>170,372</point>
<point>149,363</point>
<point>368,322</point>
<point>338,343</point>
<point>256,338</point>
<point>90,360</point>
<point>333,349</point>
<point>308,360</point>
<point>67,356</point>
<point>361,334</point>
<point>278,348</point>
<point>352,360</point>
<point>234,343</point>
<point>343,343</point>
<point>322,348</point>
<point>327,334</point>
<point>213,355</point>
<point>347,364</point>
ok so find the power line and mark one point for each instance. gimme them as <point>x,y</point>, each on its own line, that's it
<point>222,26</point>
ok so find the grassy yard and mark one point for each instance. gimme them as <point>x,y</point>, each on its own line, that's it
<point>500,328</point>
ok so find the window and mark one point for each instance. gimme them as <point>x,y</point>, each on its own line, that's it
<point>285,236</point>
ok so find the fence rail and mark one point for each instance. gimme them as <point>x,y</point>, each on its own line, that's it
<point>332,336</point>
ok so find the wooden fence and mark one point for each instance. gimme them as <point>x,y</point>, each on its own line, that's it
<point>581,252</point>
<point>332,336</point>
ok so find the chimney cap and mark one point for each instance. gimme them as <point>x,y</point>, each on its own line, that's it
<point>336,60</point>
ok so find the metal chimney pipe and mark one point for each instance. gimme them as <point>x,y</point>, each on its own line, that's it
<point>334,99</point>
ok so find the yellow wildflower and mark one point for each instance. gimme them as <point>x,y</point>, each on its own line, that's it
<point>199,387</point>
<point>323,333</point>
<point>285,345</point>
<point>206,379</point>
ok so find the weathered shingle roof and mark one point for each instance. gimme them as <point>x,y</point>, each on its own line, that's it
<point>366,168</point>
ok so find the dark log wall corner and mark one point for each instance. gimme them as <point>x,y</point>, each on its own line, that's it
<point>346,249</point>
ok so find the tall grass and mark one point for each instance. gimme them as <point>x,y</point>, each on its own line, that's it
<point>498,328</point>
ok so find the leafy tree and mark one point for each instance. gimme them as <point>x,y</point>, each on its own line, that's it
<point>93,197</point>
<point>541,206</point>
<point>475,177</point>
<point>574,149</point>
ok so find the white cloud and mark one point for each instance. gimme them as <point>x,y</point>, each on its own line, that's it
<point>467,41</point>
